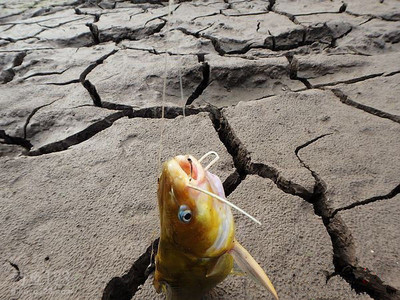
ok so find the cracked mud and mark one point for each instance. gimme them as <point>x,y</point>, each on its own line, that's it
<point>299,98</point>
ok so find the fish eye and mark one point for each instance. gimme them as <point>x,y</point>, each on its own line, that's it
<point>184,214</point>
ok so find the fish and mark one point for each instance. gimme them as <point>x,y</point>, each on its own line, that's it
<point>197,247</point>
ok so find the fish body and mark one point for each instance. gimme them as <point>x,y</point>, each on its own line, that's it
<point>197,245</point>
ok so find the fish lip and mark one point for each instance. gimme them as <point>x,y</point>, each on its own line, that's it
<point>195,172</point>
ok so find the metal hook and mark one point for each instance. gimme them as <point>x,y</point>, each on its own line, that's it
<point>212,162</point>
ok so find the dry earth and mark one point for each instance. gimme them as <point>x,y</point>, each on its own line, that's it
<point>300,99</point>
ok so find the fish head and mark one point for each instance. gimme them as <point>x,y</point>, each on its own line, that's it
<point>193,221</point>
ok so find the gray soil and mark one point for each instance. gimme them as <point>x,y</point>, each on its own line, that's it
<point>299,98</point>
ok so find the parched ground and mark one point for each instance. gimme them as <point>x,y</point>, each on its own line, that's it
<point>299,98</point>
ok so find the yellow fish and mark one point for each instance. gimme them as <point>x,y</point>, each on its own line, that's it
<point>197,243</point>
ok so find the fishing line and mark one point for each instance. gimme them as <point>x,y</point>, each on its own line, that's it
<point>162,111</point>
<point>162,126</point>
<point>171,2</point>
<point>182,99</point>
<point>185,145</point>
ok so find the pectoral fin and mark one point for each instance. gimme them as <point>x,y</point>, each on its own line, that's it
<point>248,265</point>
<point>217,267</point>
<point>237,271</point>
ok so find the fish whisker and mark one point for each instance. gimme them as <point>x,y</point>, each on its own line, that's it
<point>225,201</point>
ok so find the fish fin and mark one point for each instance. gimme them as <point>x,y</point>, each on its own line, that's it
<point>248,265</point>
<point>236,271</point>
<point>164,289</point>
<point>217,267</point>
<point>157,285</point>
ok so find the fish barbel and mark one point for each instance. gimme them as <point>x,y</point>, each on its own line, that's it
<point>197,245</point>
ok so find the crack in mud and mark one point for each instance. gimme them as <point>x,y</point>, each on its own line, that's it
<point>271,5</point>
<point>351,53</point>
<point>350,81</point>
<point>361,279</point>
<point>341,9</point>
<point>156,52</point>
<point>96,16</point>
<point>160,17</point>
<point>272,42</point>
<point>91,88</point>
<point>242,160</point>
<point>388,196</point>
<point>18,276</point>
<point>32,6</point>
<point>14,140</point>
<point>26,50</point>
<point>293,70</point>
<point>33,113</point>
<point>125,287</point>
<point>371,17</point>
<point>292,17</point>
<point>345,262</point>
<point>64,83</point>
<point>131,34</point>
<point>244,14</point>
<point>373,111</point>
<point>195,34</point>
<point>206,16</point>
<point>334,39</point>
<point>203,84</point>
<point>392,73</point>
<point>45,73</point>
<point>59,24</point>
<point>296,151</point>
<point>169,112</point>
<point>8,75</point>
<point>87,84</point>
<point>289,187</point>
<point>11,26</point>
<point>98,126</point>
<point>232,182</point>
<point>78,137</point>
<point>34,36</point>
<point>240,155</point>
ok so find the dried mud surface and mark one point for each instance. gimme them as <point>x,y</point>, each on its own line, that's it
<point>299,98</point>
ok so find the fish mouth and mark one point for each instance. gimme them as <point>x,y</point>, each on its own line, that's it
<point>190,166</point>
<point>181,171</point>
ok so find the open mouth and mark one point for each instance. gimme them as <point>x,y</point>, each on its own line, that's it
<point>188,165</point>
